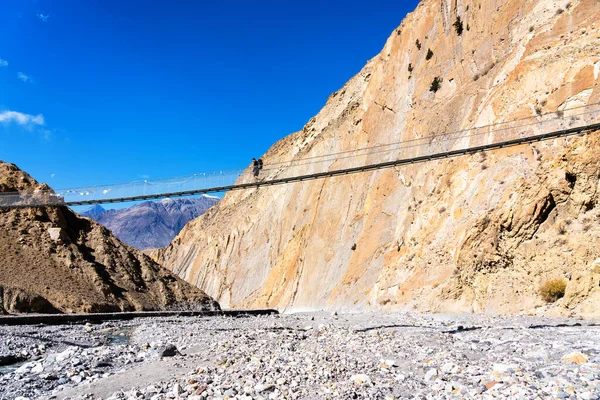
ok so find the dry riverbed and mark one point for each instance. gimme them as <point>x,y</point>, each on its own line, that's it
<point>304,356</point>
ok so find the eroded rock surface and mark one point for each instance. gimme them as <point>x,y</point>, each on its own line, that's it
<point>476,233</point>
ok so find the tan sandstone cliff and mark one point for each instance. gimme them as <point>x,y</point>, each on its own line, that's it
<point>52,260</point>
<point>475,233</point>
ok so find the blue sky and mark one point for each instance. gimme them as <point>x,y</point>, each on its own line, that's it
<point>103,91</point>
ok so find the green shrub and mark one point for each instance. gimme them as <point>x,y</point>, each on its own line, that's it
<point>553,290</point>
<point>458,25</point>
<point>418,44</point>
<point>429,55</point>
<point>410,68</point>
<point>435,85</point>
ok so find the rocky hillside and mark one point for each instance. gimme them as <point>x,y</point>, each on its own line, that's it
<point>151,225</point>
<point>476,233</point>
<point>55,261</point>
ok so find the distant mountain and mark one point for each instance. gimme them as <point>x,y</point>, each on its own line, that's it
<point>151,225</point>
<point>94,211</point>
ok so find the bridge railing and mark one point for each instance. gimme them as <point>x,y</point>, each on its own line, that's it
<point>420,146</point>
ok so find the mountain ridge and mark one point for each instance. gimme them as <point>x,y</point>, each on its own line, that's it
<point>151,225</point>
<point>54,261</point>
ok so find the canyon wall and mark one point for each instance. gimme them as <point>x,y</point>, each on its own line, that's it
<point>476,233</point>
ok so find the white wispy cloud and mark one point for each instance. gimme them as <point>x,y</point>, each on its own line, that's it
<point>24,78</point>
<point>3,63</point>
<point>43,17</point>
<point>22,119</point>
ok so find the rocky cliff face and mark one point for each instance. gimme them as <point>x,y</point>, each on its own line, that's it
<point>52,260</point>
<point>476,233</point>
<point>151,225</point>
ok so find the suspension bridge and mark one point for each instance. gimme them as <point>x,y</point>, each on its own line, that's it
<point>562,123</point>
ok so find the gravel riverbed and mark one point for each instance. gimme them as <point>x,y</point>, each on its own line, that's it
<point>305,356</point>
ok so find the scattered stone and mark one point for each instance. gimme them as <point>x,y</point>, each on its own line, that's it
<point>261,388</point>
<point>168,351</point>
<point>431,375</point>
<point>37,368</point>
<point>575,358</point>
<point>372,356</point>
<point>360,379</point>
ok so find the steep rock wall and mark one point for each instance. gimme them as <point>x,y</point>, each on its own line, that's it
<point>476,233</point>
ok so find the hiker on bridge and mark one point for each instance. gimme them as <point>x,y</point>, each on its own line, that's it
<point>256,167</point>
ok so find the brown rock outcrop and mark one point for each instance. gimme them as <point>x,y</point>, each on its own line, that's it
<point>52,260</point>
<point>475,233</point>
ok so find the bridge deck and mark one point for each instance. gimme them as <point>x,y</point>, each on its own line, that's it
<point>421,149</point>
<point>354,170</point>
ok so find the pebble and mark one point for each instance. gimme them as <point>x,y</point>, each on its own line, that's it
<point>431,374</point>
<point>361,379</point>
<point>575,358</point>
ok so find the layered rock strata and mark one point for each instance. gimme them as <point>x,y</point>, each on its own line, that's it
<point>476,233</point>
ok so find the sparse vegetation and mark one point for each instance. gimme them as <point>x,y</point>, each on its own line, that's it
<point>531,28</point>
<point>410,68</point>
<point>429,55</point>
<point>571,178</point>
<point>458,25</point>
<point>559,11</point>
<point>353,247</point>
<point>538,109</point>
<point>435,85</point>
<point>484,72</point>
<point>553,290</point>
<point>562,229</point>
<point>418,44</point>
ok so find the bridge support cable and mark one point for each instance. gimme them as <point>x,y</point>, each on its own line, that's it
<point>424,149</point>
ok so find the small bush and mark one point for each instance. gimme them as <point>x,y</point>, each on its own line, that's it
<point>553,290</point>
<point>429,55</point>
<point>410,68</point>
<point>435,85</point>
<point>562,229</point>
<point>458,25</point>
<point>418,44</point>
